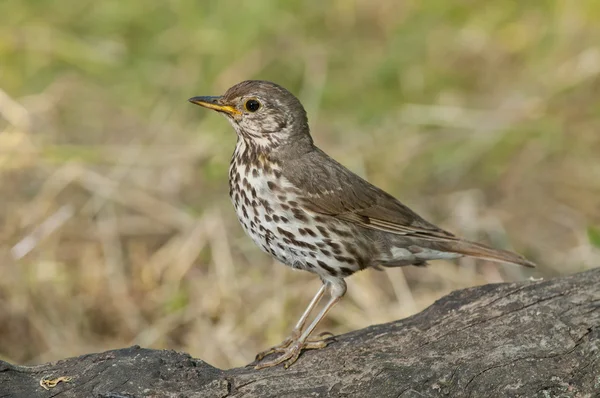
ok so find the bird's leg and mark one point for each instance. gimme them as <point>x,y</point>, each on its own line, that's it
<point>291,352</point>
<point>298,328</point>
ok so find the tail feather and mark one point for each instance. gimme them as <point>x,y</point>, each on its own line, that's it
<point>478,250</point>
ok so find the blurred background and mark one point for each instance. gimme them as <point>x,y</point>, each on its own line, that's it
<point>115,222</point>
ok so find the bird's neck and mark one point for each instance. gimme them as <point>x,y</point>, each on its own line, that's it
<point>274,151</point>
<point>247,152</point>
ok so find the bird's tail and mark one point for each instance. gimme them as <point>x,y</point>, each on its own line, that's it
<point>478,250</point>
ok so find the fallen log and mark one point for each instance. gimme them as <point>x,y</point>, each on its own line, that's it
<point>526,339</point>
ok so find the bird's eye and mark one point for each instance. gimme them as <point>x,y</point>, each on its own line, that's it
<point>252,105</point>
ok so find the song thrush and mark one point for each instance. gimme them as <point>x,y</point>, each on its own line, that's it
<point>312,213</point>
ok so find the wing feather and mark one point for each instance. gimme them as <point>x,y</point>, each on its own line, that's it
<point>328,188</point>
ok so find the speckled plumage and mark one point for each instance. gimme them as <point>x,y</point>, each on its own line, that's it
<point>312,213</point>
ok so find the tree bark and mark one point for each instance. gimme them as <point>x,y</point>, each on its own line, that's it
<point>527,339</point>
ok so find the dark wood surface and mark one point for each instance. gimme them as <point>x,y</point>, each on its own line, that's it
<point>528,339</point>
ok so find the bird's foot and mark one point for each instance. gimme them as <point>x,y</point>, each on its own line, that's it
<point>290,354</point>
<point>290,349</point>
<point>293,337</point>
<point>279,347</point>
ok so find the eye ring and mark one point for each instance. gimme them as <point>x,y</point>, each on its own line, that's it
<point>252,105</point>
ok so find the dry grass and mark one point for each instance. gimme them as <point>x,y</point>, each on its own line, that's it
<point>116,228</point>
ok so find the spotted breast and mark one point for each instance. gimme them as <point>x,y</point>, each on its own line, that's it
<point>269,211</point>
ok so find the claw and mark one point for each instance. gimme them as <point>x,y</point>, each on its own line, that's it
<point>322,336</point>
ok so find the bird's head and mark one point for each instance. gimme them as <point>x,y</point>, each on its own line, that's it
<point>262,113</point>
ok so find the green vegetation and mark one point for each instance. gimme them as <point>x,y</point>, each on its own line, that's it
<point>115,223</point>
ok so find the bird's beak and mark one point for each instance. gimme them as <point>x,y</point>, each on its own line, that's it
<point>215,103</point>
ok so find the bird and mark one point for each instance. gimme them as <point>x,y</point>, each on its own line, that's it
<point>311,213</point>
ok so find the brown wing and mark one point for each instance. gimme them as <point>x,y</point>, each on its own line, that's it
<point>330,189</point>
